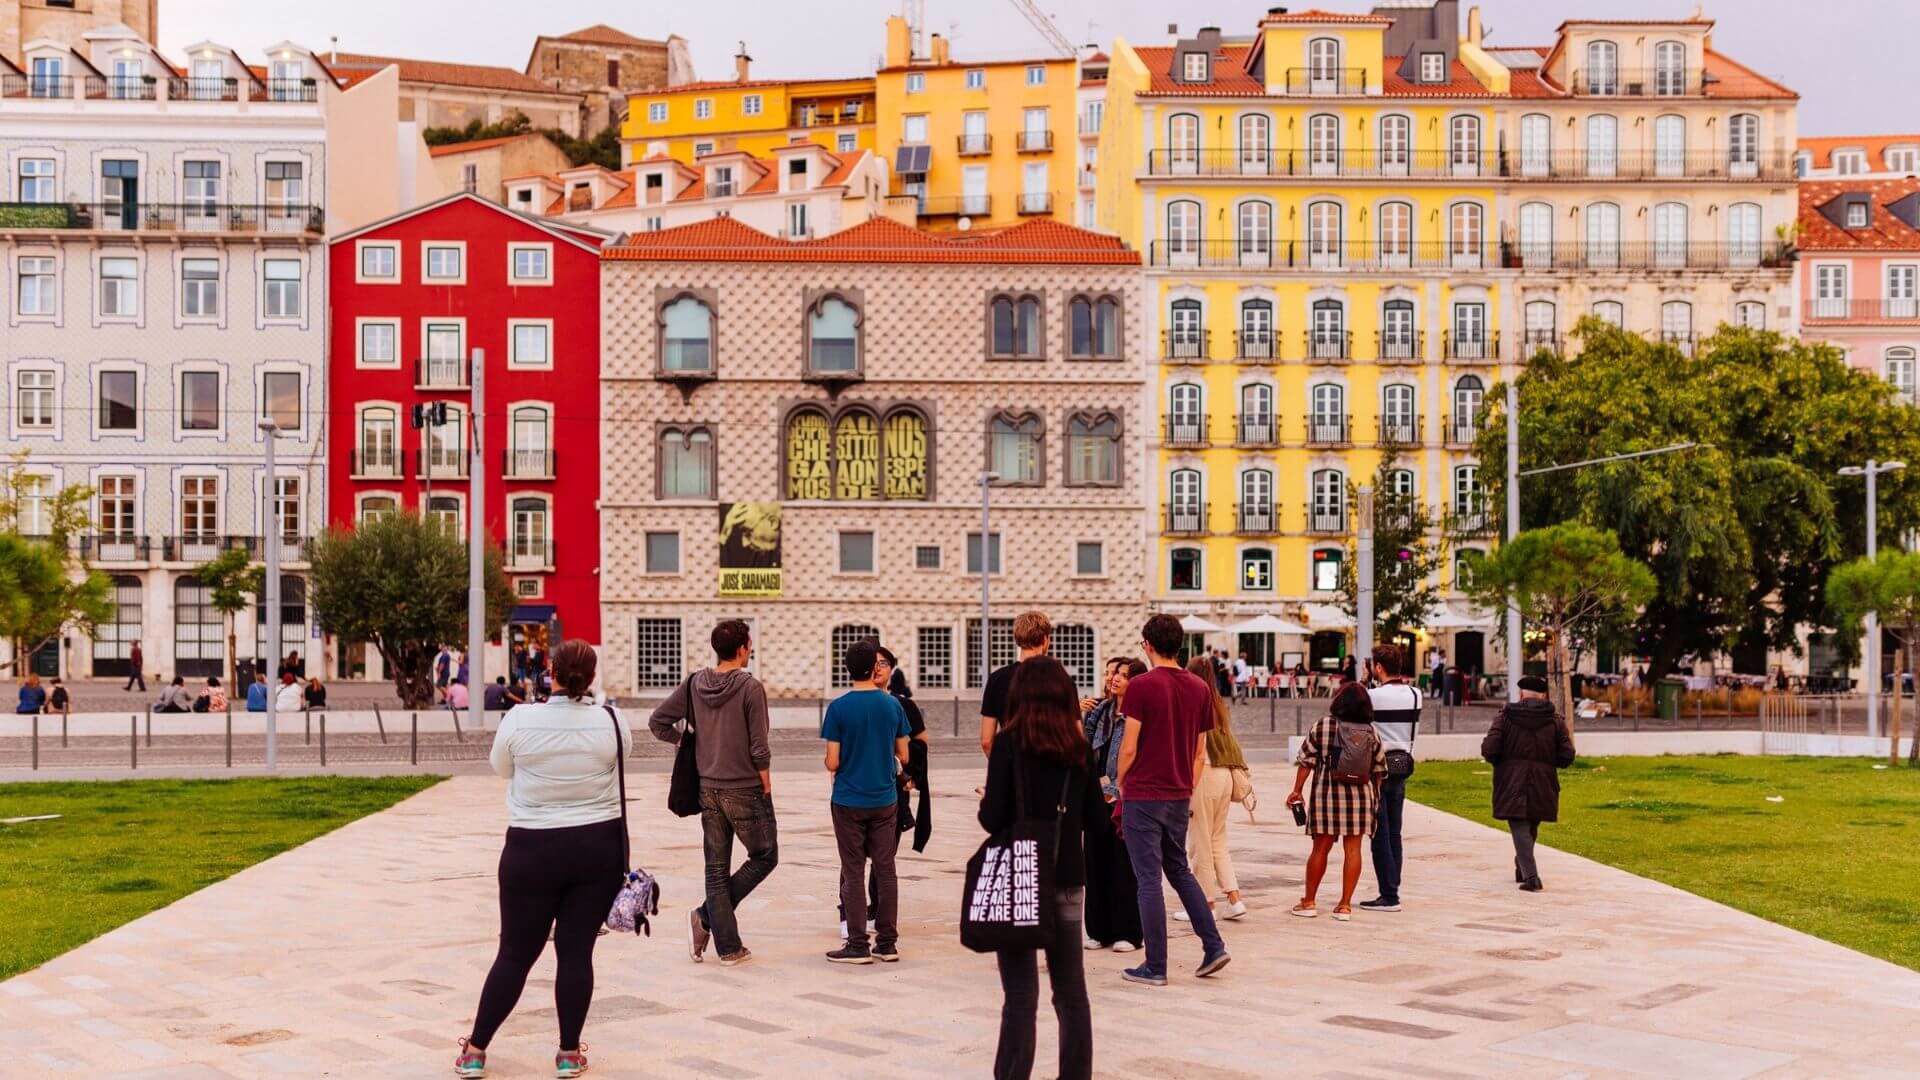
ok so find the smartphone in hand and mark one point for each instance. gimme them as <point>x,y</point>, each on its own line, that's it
<point>1300,814</point>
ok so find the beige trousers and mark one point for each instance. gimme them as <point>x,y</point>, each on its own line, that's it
<point>1207,832</point>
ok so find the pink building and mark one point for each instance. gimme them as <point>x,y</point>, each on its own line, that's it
<point>1859,272</point>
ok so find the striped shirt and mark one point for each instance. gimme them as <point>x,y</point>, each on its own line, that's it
<point>1396,714</point>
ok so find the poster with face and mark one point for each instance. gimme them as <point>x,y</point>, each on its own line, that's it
<point>750,549</point>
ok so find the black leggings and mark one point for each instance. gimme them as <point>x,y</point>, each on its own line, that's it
<point>547,876</point>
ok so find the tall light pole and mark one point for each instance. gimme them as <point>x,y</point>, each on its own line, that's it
<point>1363,579</point>
<point>987,480</point>
<point>271,432</point>
<point>1872,470</point>
<point>476,550</point>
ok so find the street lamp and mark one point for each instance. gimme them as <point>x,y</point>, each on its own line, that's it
<point>271,432</point>
<point>987,480</point>
<point>1872,470</point>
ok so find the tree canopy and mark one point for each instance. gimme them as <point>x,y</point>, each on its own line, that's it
<point>1405,561</point>
<point>230,579</point>
<point>1740,532</point>
<point>45,588</point>
<point>602,149</point>
<point>1890,586</point>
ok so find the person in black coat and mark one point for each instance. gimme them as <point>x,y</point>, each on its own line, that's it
<point>1528,744</point>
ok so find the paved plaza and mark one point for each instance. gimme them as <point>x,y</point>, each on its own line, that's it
<point>361,954</point>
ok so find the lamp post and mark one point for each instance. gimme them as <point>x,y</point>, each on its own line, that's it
<point>477,549</point>
<point>270,431</point>
<point>987,480</point>
<point>1363,577</point>
<point>1872,470</point>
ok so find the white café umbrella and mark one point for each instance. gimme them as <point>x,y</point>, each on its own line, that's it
<point>1445,618</point>
<point>1328,617</point>
<point>1271,624</point>
<point>1195,624</point>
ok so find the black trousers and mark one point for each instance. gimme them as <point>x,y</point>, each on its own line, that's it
<point>558,880</point>
<point>725,814</point>
<point>1113,896</point>
<point>1021,984</point>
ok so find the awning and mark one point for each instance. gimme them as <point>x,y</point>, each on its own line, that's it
<point>1441,617</point>
<point>1270,624</point>
<point>1195,624</point>
<point>531,613</point>
<point>1328,617</point>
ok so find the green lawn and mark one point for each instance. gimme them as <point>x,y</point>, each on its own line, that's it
<point>1838,856</point>
<point>122,849</point>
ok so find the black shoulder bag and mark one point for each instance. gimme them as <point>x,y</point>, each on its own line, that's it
<point>683,791</point>
<point>1008,898</point>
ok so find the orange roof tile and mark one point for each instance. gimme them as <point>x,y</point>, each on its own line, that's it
<point>734,84</point>
<point>1886,233</point>
<point>481,144</point>
<point>602,34</point>
<point>1876,146</point>
<point>478,76</point>
<point>1315,15</point>
<point>1230,77</point>
<point>879,240</point>
<point>1736,80</point>
<point>1461,82</point>
<point>845,168</point>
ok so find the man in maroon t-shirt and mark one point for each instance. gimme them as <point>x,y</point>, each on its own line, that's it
<point>1169,713</point>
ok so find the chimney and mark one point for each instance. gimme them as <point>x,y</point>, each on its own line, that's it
<point>1473,25</point>
<point>899,42</point>
<point>941,53</point>
<point>1276,11</point>
<point>741,63</point>
<point>1209,39</point>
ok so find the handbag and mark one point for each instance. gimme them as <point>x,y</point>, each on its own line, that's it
<point>1242,784</point>
<point>683,791</point>
<point>639,894</point>
<point>1008,898</point>
<point>1399,764</point>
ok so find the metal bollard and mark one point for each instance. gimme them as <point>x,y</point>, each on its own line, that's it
<point>1273,719</point>
<point>63,729</point>
<point>133,741</point>
<point>1296,717</point>
<point>36,740</point>
<point>381,724</point>
<point>307,717</point>
<point>820,715</point>
<point>229,736</point>
<point>956,717</point>
<point>413,742</point>
<point>149,729</point>
<point>457,736</point>
<point>323,740</point>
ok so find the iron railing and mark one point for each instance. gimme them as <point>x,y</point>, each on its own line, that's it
<point>1185,518</point>
<point>1255,346</point>
<point>1185,431</point>
<point>956,205</point>
<point>115,548</point>
<point>527,464</point>
<point>1255,519</point>
<point>1483,347</point>
<point>1401,348</point>
<point>1326,520</point>
<point>1469,521</point>
<point>1643,255</point>
<point>446,466</point>
<point>376,464</point>
<point>1460,430</point>
<point>187,88</point>
<point>974,145</point>
<point>1036,202</point>
<point>1301,255</point>
<point>1257,430</point>
<point>1033,142</point>
<point>1187,345</point>
<point>1328,346</point>
<point>1311,80</point>
<point>1326,429</point>
<point>525,555</point>
<point>1898,309</point>
<point>1401,430</point>
<point>1324,162</point>
<point>177,217</point>
<point>1636,82</point>
<point>440,372</point>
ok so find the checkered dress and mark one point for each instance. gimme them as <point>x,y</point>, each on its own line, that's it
<point>1333,808</point>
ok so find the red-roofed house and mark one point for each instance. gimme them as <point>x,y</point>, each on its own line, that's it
<point>483,165</point>
<point>796,432</point>
<point>1859,273</point>
<point>1862,156</point>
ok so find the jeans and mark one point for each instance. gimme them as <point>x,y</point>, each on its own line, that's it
<point>1387,856</point>
<point>138,676</point>
<point>1524,835</point>
<point>1021,984</point>
<point>725,813</point>
<point>1156,834</point>
<point>863,835</point>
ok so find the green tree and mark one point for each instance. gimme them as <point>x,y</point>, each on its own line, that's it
<point>46,588</point>
<point>232,580</point>
<point>1740,532</point>
<point>602,149</point>
<point>1564,578</point>
<point>514,124</point>
<point>1405,561</point>
<point>400,583</point>
<point>1889,585</point>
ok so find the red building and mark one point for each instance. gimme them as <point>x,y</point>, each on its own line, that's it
<point>411,297</point>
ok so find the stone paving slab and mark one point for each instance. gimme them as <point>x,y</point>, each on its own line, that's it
<point>362,953</point>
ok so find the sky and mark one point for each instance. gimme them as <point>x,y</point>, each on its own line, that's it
<point>1843,56</point>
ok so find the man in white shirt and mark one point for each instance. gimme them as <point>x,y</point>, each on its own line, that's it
<point>288,698</point>
<point>1396,719</point>
<point>1242,676</point>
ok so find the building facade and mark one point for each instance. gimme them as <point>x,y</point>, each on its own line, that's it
<point>1091,101</point>
<point>414,296</point>
<point>1859,273</point>
<point>603,65</point>
<point>483,165</point>
<point>748,115</point>
<point>165,294</point>
<point>435,93</point>
<point>64,21</point>
<point>1356,224</point>
<point>1865,157</point>
<point>797,433</point>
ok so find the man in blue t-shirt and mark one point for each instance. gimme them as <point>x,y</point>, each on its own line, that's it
<point>866,733</point>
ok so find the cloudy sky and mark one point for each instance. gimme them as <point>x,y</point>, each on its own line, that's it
<point>1843,56</point>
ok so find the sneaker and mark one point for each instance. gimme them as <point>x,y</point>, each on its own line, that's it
<point>471,1062</point>
<point>887,954</point>
<point>1532,884</point>
<point>1142,976</point>
<point>1235,910</point>
<point>1090,945</point>
<point>697,936</point>
<point>745,954</point>
<point>1212,964</point>
<point>851,954</point>
<point>1180,915</point>
<point>1380,903</point>
<point>570,1063</point>
<point>1124,946</point>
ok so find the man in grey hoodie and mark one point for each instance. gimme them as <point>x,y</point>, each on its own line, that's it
<point>727,709</point>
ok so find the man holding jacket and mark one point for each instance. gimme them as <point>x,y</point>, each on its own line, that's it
<point>726,707</point>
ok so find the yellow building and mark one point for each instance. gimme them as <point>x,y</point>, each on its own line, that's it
<point>748,115</point>
<point>991,142</point>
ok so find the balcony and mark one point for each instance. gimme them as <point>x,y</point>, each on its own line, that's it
<point>1255,519</point>
<point>1402,430</point>
<point>1469,520</point>
<point>1578,255</point>
<point>1325,519</point>
<point>190,217</point>
<point>1904,311</point>
<point>445,464</point>
<point>1254,347</point>
<point>1322,163</point>
<point>1256,432</point>
<point>1683,341</point>
<point>113,548</point>
<point>1185,431</point>
<point>1034,142</point>
<point>1327,430</point>
<point>974,145</point>
<point>121,88</point>
<point>1460,431</point>
<point>1355,257</point>
<point>1036,202</point>
<point>1186,346</point>
<point>1636,82</point>
<point>1187,518</point>
<point>440,373</point>
<point>815,117</point>
<point>1318,80</point>
<point>529,554</point>
<point>285,90</point>
<point>1533,342</point>
<point>1329,346</point>
<point>379,464</point>
<point>1601,164</point>
<point>202,547</point>
<point>181,88</point>
<point>956,205</point>
<point>146,88</point>
<point>527,464</point>
<point>1478,348</point>
<point>47,87</point>
<point>1400,347</point>
<point>1089,179</point>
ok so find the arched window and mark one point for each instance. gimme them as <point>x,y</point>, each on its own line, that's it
<point>1465,233</point>
<point>1536,144</point>
<point>856,455</point>
<point>1396,233</point>
<point>686,463</point>
<point>1016,326</point>
<point>904,454</point>
<point>1256,570</point>
<point>1676,325</point>
<point>1329,401</point>
<point>1327,513</point>
<point>1256,415</point>
<point>1256,230</point>
<point>1323,233</point>
<point>1751,314</point>
<point>532,539</point>
<point>1669,69</point>
<point>1670,235</point>
<point>444,511</point>
<point>375,507</point>
<point>1603,235</point>
<point>853,457</point>
<point>1466,562</point>
<point>1398,425</point>
<point>809,455</point>
<point>1185,338</point>
<point>1541,324</point>
<point>1669,145</point>
<point>1469,499</point>
<point>1603,146</point>
<point>1323,144</point>
<point>842,638</point>
<point>1256,501</point>
<point>530,453</point>
<point>1743,144</point>
<point>1536,234</point>
<point>1327,332</point>
<point>1468,395</point>
<point>1400,483</point>
<point>1398,339</point>
<point>1183,142</point>
<point>1256,143</point>
<point>1323,65</point>
<point>1256,330</point>
<point>1326,568</point>
<point>378,453</point>
<point>1602,75</point>
<point>1186,422</point>
<point>1186,511</point>
<point>1094,327</point>
<point>1184,569</point>
<point>1183,229</point>
<point>1463,142</point>
<point>1900,373</point>
<point>1743,234</point>
<point>1611,312</point>
<point>1014,448</point>
<point>293,616</point>
<point>447,444</point>
<point>113,638</point>
<point>833,337</point>
<point>1396,144</point>
<point>686,336</point>
<point>1093,450</point>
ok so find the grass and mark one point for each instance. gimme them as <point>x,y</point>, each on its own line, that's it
<point>1836,857</point>
<point>120,850</point>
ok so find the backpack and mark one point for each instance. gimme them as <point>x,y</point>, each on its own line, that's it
<point>1352,753</point>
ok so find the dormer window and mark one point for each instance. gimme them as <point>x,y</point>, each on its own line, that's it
<point>1904,159</point>
<point>1856,215</point>
<point>1433,67</point>
<point>1849,162</point>
<point>797,175</point>
<point>1193,67</point>
<point>722,185</point>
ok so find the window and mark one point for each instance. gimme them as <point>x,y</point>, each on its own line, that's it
<point>1327,331</point>
<point>1536,234</point>
<point>853,457</point>
<point>856,552</point>
<point>1323,233</point>
<point>199,632</point>
<point>1743,234</point>
<point>445,262</point>
<point>703,109</point>
<point>1603,235</point>
<point>1397,422</point>
<point>656,112</point>
<point>1536,140</point>
<point>913,129</point>
<point>1256,570</point>
<point>916,82</point>
<point>531,543</point>
<point>1541,322</point>
<point>1676,324</point>
<point>379,343</point>
<point>1036,74</point>
<point>1093,450</point>
<point>1669,146</point>
<point>444,511</point>
<point>36,180</point>
<point>926,556</point>
<point>847,143</point>
<point>199,508</point>
<point>200,401</point>
<point>283,288</point>
<point>1670,234</point>
<point>1089,558</point>
<point>1464,223</point>
<point>797,220</point>
<point>1669,69</point>
<point>286,188</point>
<point>35,293</point>
<point>375,507</point>
<point>33,397</point>
<point>1184,569</point>
<point>1396,232</point>
<point>1074,647</point>
<point>657,652</point>
<point>1183,142</point>
<point>1255,235</point>
<point>1611,312</point>
<point>686,463</point>
<point>1323,60</point>
<point>378,454</point>
<point>1256,500</point>
<point>1014,448</point>
<point>1743,142</point>
<point>1433,67</point>
<point>973,554</point>
<point>1326,569</point>
<point>1193,66</point>
<point>833,337</point>
<point>1469,331</point>
<point>1464,143</point>
<point>1802,163</point>
<point>119,407</point>
<point>1400,482</point>
<point>530,263</point>
<point>663,553</point>
<point>686,336</point>
<point>1603,68</point>
<point>1329,412</point>
<point>528,447</point>
<point>1904,159</point>
<point>119,507</point>
<point>1603,146</point>
<point>1323,144</point>
<point>1856,215</point>
<point>976,79</point>
<point>1750,314</point>
<point>1000,649</point>
<point>1397,340</point>
<point>1256,141</point>
<point>1094,327</point>
<point>1468,395</point>
<point>119,287</point>
<point>1903,290</point>
<point>750,105</point>
<point>934,652</point>
<point>379,261</point>
<point>280,399</point>
<point>1830,291</point>
<point>1256,330</point>
<point>1469,498</point>
<point>529,344</point>
<point>1465,562</point>
<point>720,182</point>
<point>1186,423</point>
<point>286,508</point>
<point>1396,142</point>
<point>1016,326</point>
<point>1900,373</point>
<point>199,287</point>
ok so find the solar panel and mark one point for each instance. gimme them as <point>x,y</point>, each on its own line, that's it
<point>912,159</point>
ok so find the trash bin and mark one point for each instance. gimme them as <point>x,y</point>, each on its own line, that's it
<point>243,674</point>
<point>1667,696</point>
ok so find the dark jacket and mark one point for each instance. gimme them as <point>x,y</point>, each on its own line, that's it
<point>1043,780</point>
<point>730,726</point>
<point>1527,745</point>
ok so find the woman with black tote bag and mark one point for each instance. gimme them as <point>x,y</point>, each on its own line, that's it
<point>1041,770</point>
